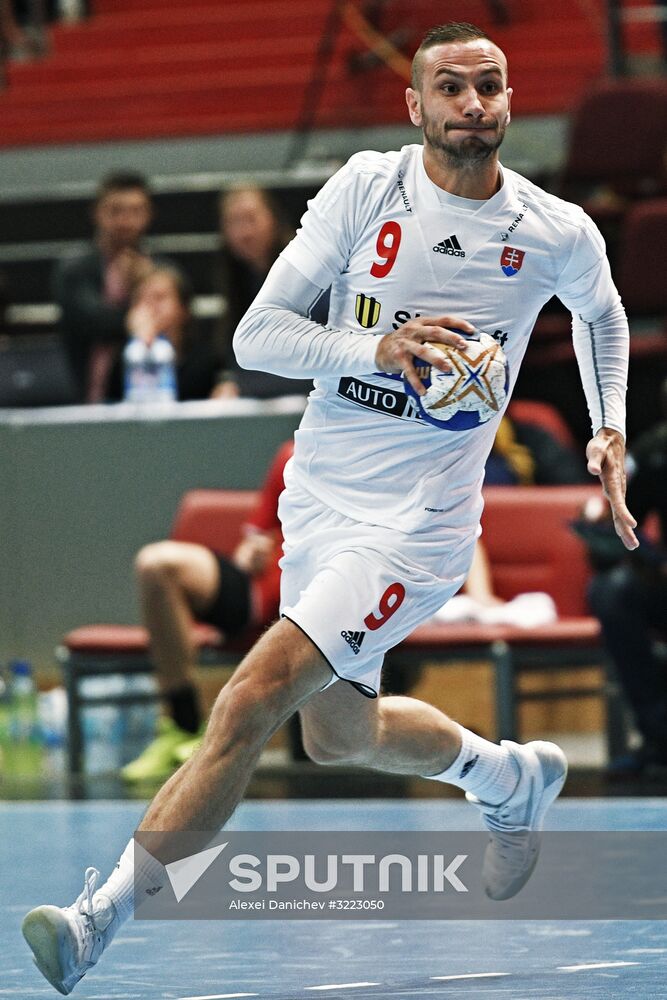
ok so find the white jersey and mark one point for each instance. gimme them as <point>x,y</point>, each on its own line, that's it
<point>393,246</point>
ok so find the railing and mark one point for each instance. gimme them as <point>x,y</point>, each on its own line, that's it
<point>619,15</point>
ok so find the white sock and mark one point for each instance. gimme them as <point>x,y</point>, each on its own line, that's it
<point>119,887</point>
<point>487,770</point>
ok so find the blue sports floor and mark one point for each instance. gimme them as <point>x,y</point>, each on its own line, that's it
<point>45,847</point>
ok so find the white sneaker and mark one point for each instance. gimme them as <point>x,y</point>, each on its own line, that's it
<point>67,941</point>
<point>515,824</point>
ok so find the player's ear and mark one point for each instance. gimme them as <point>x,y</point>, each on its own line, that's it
<point>508,116</point>
<point>414,106</point>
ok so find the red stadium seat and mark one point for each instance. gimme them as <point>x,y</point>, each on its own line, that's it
<point>530,546</point>
<point>633,168</point>
<point>544,415</point>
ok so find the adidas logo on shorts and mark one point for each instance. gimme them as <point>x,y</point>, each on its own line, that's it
<point>354,640</point>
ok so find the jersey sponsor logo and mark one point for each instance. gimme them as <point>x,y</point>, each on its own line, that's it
<point>374,397</point>
<point>501,336</point>
<point>367,310</point>
<point>402,316</point>
<point>354,640</point>
<point>450,246</point>
<point>515,222</point>
<point>511,260</point>
<point>401,190</point>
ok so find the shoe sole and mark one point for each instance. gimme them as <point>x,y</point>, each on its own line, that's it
<point>46,931</point>
<point>556,760</point>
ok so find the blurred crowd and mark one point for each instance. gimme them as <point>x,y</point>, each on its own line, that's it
<point>116,290</point>
<point>23,26</point>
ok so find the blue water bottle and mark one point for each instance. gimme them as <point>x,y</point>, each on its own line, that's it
<point>163,364</point>
<point>23,755</point>
<point>135,370</point>
<point>150,371</point>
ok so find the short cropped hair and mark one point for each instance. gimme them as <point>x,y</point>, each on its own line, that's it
<point>122,180</point>
<point>442,34</point>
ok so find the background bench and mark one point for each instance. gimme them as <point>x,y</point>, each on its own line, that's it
<point>530,547</point>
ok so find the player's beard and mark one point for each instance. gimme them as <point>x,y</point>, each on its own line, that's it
<point>472,150</point>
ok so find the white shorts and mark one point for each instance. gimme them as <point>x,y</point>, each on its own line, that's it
<point>355,589</point>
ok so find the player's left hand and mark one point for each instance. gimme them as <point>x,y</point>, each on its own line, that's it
<point>605,454</point>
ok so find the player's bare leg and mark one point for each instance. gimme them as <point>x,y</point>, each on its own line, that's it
<point>395,734</point>
<point>279,674</point>
<point>512,785</point>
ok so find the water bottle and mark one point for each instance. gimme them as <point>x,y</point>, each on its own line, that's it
<point>150,371</point>
<point>163,368</point>
<point>134,368</point>
<point>23,755</point>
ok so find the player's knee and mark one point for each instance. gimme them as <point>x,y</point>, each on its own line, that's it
<point>246,712</point>
<point>253,704</point>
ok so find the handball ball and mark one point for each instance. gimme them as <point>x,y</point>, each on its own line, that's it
<point>470,394</point>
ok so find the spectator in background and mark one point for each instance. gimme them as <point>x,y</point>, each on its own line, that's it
<point>526,454</point>
<point>93,289</point>
<point>4,299</point>
<point>161,304</point>
<point>629,595</point>
<point>22,29</point>
<point>253,234</point>
<point>179,582</point>
<point>11,37</point>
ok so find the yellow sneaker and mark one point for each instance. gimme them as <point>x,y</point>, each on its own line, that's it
<point>185,750</point>
<point>158,759</point>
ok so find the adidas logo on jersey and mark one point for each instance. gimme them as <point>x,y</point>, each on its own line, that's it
<point>354,640</point>
<point>450,246</point>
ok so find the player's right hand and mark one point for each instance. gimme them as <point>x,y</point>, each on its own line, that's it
<point>605,454</point>
<point>396,351</point>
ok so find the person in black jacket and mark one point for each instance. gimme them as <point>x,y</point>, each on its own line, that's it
<point>629,596</point>
<point>93,288</point>
<point>253,233</point>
